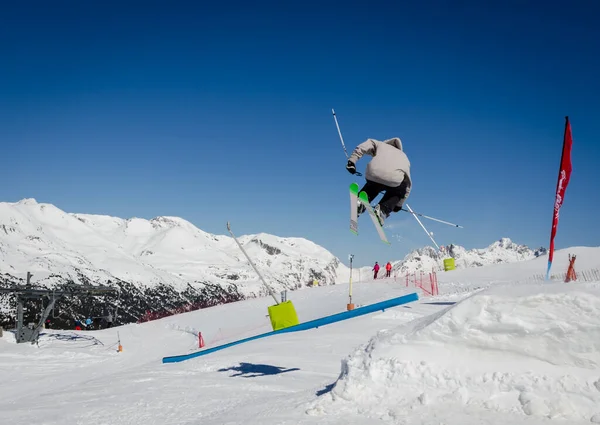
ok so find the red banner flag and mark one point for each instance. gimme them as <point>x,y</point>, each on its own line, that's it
<point>564,175</point>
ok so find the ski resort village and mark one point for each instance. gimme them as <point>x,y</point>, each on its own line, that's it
<point>283,213</point>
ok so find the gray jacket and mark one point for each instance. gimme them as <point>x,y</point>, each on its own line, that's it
<point>390,165</point>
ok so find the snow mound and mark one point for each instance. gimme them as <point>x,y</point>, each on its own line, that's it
<point>533,349</point>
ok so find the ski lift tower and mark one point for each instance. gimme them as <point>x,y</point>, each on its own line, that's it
<point>28,292</point>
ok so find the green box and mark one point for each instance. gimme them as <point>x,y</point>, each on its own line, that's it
<point>283,315</point>
<point>449,264</point>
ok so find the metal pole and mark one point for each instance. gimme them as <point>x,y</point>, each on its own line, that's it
<point>253,266</point>
<point>20,301</point>
<point>351,257</point>
<point>19,318</point>
<point>350,305</point>
<point>40,325</point>
<point>417,218</point>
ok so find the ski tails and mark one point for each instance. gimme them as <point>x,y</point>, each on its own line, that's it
<point>363,199</point>
<point>357,198</point>
<point>354,208</point>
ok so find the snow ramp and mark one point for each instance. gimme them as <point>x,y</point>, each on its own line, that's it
<point>312,324</point>
<point>530,350</point>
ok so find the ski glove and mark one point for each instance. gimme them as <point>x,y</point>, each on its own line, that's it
<point>351,167</point>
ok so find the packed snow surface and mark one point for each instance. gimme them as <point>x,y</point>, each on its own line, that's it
<point>481,352</point>
<point>533,348</point>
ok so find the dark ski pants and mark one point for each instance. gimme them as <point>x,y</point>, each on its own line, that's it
<point>391,197</point>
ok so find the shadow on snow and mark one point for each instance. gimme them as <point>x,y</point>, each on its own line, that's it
<point>325,390</point>
<point>251,370</point>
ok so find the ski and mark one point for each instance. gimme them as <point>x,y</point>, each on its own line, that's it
<point>354,208</point>
<point>362,197</point>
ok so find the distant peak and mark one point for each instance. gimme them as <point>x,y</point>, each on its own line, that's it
<point>504,242</point>
<point>134,219</point>
<point>503,250</point>
<point>28,201</point>
<point>167,221</point>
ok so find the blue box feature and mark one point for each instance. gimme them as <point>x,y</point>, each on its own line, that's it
<point>327,320</point>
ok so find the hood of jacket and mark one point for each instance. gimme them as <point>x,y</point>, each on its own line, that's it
<point>395,142</point>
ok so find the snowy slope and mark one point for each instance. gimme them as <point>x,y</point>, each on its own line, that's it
<point>513,353</point>
<point>522,272</point>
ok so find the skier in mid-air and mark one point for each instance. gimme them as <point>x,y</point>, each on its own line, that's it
<point>388,171</point>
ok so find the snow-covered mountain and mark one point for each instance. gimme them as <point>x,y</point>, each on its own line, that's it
<point>430,259</point>
<point>166,260</point>
<point>165,263</point>
<point>50,242</point>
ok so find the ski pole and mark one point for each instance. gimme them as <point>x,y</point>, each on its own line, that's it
<point>419,221</point>
<point>341,138</point>
<point>252,264</point>
<point>432,218</point>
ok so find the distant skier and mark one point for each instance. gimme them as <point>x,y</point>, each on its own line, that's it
<point>388,269</point>
<point>375,270</point>
<point>388,171</point>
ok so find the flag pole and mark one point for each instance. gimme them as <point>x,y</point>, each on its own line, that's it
<point>559,197</point>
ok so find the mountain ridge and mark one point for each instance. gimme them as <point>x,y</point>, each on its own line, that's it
<point>166,262</point>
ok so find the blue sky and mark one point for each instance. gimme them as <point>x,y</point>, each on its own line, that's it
<point>223,112</point>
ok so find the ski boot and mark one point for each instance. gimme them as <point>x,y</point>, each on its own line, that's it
<point>381,216</point>
<point>361,208</point>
